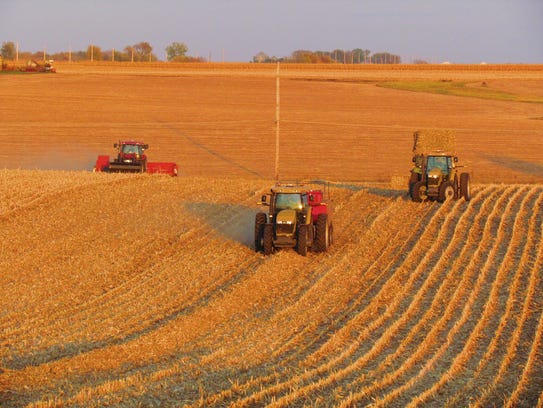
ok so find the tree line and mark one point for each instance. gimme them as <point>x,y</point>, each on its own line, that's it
<point>356,56</point>
<point>177,52</point>
<point>140,52</point>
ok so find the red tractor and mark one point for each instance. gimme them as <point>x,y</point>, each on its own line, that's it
<point>299,217</point>
<point>131,158</point>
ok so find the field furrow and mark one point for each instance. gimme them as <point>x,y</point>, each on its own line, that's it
<point>414,303</point>
<point>387,342</point>
<point>504,342</point>
<point>483,305</point>
<point>341,364</point>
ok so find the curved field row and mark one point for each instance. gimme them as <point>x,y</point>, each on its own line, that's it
<point>147,290</point>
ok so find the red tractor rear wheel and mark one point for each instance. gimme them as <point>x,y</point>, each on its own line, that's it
<point>322,238</point>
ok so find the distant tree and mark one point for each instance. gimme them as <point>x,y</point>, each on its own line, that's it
<point>176,51</point>
<point>337,55</point>
<point>143,51</point>
<point>79,56</point>
<point>361,56</point>
<point>8,50</point>
<point>128,53</point>
<point>94,53</point>
<point>261,57</point>
<point>420,61</point>
<point>322,57</point>
<point>385,58</point>
<point>61,56</point>
<point>304,57</point>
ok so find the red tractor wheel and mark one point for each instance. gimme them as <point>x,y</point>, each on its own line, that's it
<point>322,233</point>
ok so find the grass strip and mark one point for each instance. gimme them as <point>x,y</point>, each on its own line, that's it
<point>466,89</point>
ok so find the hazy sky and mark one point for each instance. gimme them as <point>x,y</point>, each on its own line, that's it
<point>461,31</point>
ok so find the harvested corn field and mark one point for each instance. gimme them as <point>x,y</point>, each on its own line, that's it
<point>145,290</point>
<point>163,301</point>
<point>220,119</point>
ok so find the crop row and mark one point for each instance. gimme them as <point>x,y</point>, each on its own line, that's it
<point>414,304</point>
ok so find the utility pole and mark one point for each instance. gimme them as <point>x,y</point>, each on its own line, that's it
<point>277,112</point>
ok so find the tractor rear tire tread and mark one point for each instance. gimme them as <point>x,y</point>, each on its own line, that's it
<point>301,241</point>
<point>268,239</point>
<point>465,188</point>
<point>260,220</point>
<point>322,234</point>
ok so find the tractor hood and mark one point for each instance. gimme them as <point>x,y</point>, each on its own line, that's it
<point>285,221</point>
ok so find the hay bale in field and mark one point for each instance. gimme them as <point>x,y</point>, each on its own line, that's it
<point>432,140</point>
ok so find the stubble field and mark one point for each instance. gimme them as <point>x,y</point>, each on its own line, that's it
<point>138,290</point>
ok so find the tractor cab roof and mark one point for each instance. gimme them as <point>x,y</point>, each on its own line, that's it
<point>299,187</point>
<point>289,190</point>
<point>442,153</point>
<point>290,187</point>
<point>131,142</point>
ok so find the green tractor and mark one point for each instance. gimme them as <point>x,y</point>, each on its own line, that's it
<point>298,217</point>
<point>436,176</point>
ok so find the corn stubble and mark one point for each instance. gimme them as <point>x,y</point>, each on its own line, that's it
<point>138,289</point>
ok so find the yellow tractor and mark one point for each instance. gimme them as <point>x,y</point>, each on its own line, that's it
<point>299,217</point>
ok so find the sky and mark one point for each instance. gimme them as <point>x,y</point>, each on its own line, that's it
<point>458,31</point>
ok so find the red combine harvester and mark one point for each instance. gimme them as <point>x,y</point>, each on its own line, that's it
<point>131,158</point>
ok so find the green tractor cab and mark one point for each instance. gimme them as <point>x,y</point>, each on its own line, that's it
<point>436,176</point>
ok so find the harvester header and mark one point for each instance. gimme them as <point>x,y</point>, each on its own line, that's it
<point>131,158</point>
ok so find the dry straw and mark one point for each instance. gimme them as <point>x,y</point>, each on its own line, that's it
<point>432,140</point>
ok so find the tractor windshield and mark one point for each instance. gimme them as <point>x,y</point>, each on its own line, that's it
<point>132,149</point>
<point>288,201</point>
<point>438,162</point>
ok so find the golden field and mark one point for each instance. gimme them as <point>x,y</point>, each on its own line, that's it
<point>140,290</point>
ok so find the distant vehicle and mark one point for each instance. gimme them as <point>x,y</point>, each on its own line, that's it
<point>436,175</point>
<point>131,158</point>
<point>299,217</point>
<point>35,66</point>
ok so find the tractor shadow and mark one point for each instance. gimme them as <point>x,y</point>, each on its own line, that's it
<point>233,221</point>
<point>521,166</point>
